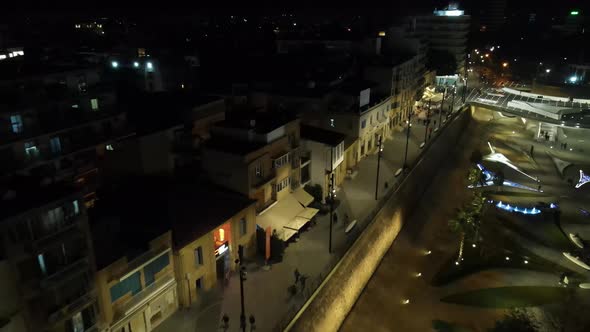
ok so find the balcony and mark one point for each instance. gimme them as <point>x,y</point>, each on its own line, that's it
<point>260,181</point>
<point>72,306</point>
<point>63,271</point>
<point>144,296</point>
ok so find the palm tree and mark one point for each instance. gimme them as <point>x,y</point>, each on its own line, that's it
<point>461,224</point>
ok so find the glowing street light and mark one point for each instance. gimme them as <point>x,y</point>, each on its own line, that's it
<point>136,64</point>
<point>573,79</point>
<point>505,64</point>
<point>547,70</point>
<point>149,65</point>
<point>114,64</point>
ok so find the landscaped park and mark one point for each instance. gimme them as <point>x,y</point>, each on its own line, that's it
<point>525,218</point>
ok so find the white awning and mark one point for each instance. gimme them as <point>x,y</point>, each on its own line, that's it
<point>285,234</point>
<point>303,196</point>
<point>281,214</point>
<point>308,213</point>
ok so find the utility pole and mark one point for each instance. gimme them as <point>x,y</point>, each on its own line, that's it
<point>332,197</point>
<point>380,147</point>
<point>466,74</point>
<point>242,278</point>
<point>408,137</point>
<point>442,107</point>
<point>427,120</point>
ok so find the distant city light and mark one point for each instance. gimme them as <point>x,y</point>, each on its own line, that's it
<point>573,79</point>
<point>487,55</point>
<point>149,65</point>
<point>547,70</point>
<point>381,33</point>
<point>449,12</point>
<point>574,13</point>
<point>505,64</point>
<point>114,64</point>
<point>136,64</point>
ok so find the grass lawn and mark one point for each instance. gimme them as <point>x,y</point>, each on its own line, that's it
<point>509,297</point>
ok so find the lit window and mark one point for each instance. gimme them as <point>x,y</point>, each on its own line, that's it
<point>76,207</point>
<point>221,234</point>
<point>55,145</point>
<point>331,122</point>
<point>41,261</point>
<point>94,104</point>
<point>16,122</point>
<point>31,150</point>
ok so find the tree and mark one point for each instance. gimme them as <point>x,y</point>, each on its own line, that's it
<point>443,62</point>
<point>515,321</point>
<point>467,221</point>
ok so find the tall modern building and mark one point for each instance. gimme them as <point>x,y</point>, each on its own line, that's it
<point>445,30</point>
<point>46,262</point>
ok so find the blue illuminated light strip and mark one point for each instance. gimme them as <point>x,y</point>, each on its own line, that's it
<point>514,208</point>
<point>584,178</point>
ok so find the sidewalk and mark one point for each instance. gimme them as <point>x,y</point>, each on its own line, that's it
<point>266,292</point>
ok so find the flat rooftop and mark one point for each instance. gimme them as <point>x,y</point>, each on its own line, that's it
<point>144,208</point>
<point>321,135</point>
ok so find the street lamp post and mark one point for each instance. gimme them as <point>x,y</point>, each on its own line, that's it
<point>442,106</point>
<point>332,197</point>
<point>427,120</point>
<point>242,279</point>
<point>380,147</point>
<point>407,137</point>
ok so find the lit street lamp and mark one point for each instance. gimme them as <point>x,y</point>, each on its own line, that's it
<point>380,147</point>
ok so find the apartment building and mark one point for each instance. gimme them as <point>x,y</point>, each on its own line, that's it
<point>57,122</point>
<point>171,129</point>
<point>209,226</point>
<point>257,154</point>
<point>445,30</point>
<point>324,149</point>
<point>46,261</point>
<point>135,275</point>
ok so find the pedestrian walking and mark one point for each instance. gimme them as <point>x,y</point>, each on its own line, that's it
<point>302,281</point>
<point>435,123</point>
<point>346,219</point>
<point>297,275</point>
<point>539,188</point>
<point>335,220</point>
<point>532,150</point>
<point>565,146</point>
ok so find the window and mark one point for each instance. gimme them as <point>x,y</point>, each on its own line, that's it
<point>76,207</point>
<point>199,256</point>
<point>199,283</point>
<point>16,122</point>
<point>282,161</point>
<point>364,124</point>
<point>243,226</point>
<point>150,270</point>
<point>41,261</point>
<point>258,170</point>
<point>94,104</point>
<point>131,284</point>
<point>55,145</point>
<point>331,122</point>
<point>31,150</point>
<point>284,183</point>
<point>77,322</point>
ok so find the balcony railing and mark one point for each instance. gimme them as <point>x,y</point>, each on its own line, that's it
<point>73,305</point>
<point>258,182</point>
<point>145,295</point>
